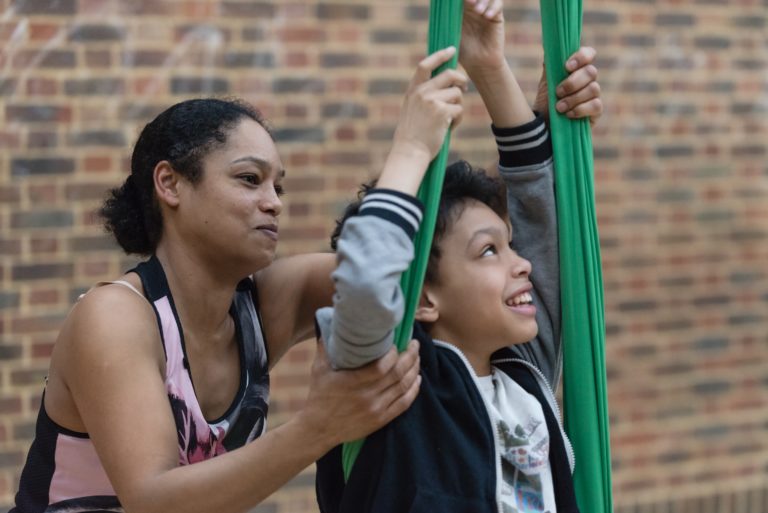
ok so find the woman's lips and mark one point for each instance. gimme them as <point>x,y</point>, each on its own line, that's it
<point>270,230</point>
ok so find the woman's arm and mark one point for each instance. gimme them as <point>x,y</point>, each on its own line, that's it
<point>290,291</point>
<point>109,364</point>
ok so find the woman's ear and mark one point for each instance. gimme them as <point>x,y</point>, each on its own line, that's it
<point>427,310</point>
<point>166,183</point>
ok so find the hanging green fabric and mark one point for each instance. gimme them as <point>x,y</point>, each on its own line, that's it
<point>445,18</point>
<point>583,324</point>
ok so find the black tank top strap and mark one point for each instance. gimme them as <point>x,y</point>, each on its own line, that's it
<point>152,278</point>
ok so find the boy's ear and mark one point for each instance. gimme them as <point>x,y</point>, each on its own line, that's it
<point>166,183</point>
<point>427,310</point>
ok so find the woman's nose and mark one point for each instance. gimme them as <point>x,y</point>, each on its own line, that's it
<point>271,202</point>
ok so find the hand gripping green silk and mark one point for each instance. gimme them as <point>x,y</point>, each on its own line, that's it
<point>586,407</point>
<point>445,18</point>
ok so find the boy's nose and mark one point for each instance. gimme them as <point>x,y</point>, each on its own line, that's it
<point>520,266</point>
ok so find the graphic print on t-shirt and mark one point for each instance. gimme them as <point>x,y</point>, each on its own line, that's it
<point>526,478</point>
<point>524,454</point>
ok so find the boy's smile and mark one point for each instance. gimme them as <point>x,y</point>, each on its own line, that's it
<point>482,298</point>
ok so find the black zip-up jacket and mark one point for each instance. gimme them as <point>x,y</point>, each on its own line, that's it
<point>441,469</point>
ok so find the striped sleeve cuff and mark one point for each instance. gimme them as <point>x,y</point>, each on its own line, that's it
<point>399,208</point>
<point>523,145</point>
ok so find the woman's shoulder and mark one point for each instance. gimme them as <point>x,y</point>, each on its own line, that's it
<point>110,314</point>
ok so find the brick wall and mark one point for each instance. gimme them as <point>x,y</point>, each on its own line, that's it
<point>681,172</point>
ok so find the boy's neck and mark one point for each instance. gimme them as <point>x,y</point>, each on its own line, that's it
<point>481,365</point>
<point>480,361</point>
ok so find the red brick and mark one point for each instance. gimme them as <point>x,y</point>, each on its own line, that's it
<point>98,58</point>
<point>44,245</point>
<point>9,194</point>
<point>199,10</point>
<point>346,133</point>
<point>301,34</point>
<point>97,164</point>
<point>38,86</point>
<point>45,31</point>
<point>10,247</point>
<point>42,350</point>
<point>7,30</point>
<point>94,6</point>
<point>86,191</point>
<point>10,405</point>
<point>91,218</point>
<point>43,297</point>
<point>298,209</point>
<point>10,140</point>
<point>93,268</point>
<point>296,59</point>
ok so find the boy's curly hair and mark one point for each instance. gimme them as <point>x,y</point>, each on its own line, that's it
<point>462,183</point>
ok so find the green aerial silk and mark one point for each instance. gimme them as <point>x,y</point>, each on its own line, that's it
<point>586,407</point>
<point>445,18</point>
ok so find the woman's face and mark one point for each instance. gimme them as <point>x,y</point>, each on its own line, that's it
<point>231,214</point>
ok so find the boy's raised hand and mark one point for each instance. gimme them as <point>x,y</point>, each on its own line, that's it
<point>482,36</point>
<point>431,106</point>
<point>579,94</point>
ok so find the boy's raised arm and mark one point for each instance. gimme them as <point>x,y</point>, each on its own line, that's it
<point>376,244</point>
<point>525,162</point>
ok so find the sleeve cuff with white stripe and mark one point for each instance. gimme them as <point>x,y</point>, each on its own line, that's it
<point>523,145</point>
<point>399,208</point>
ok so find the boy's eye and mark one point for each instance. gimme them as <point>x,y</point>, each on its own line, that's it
<point>279,189</point>
<point>489,250</point>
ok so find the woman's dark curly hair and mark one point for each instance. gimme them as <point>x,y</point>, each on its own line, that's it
<point>183,135</point>
<point>462,183</point>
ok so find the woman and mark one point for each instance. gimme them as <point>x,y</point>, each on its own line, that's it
<point>169,365</point>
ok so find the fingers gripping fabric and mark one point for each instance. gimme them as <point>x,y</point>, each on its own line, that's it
<point>583,324</point>
<point>445,18</point>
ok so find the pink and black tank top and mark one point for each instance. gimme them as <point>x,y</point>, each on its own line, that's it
<point>63,472</point>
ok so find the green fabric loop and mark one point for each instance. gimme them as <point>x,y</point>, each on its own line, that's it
<point>586,409</point>
<point>445,17</point>
<point>583,323</point>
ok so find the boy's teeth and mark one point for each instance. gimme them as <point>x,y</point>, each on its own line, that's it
<point>523,298</point>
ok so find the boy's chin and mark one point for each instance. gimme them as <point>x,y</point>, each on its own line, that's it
<point>523,336</point>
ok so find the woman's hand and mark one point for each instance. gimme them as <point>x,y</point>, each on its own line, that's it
<point>346,405</point>
<point>579,94</point>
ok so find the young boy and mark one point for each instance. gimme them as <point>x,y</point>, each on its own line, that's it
<point>484,433</point>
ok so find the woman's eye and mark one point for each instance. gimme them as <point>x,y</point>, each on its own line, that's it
<point>250,179</point>
<point>279,189</point>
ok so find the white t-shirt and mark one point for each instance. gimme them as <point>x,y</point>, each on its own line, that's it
<point>522,431</point>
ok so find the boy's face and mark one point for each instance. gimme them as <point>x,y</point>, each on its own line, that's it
<point>481,301</point>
